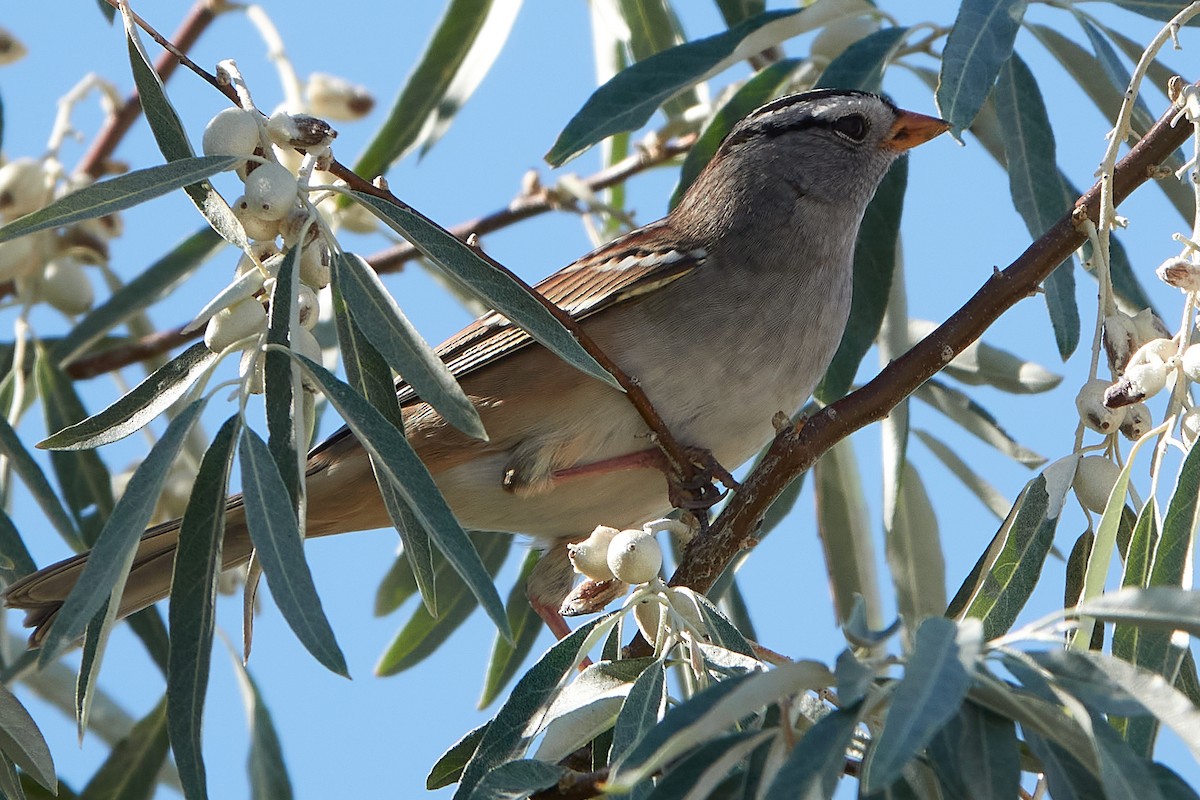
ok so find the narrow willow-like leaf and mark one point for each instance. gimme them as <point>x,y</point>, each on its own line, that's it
<point>587,706</point>
<point>280,387</point>
<point>389,332</point>
<point>1170,785</point>
<point>978,46</point>
<point>1162,608</point>
<point>734,11</point>
<point>723,632</point>
<point>398,584</point>
<point>1164,10</point>
<point>506,658</point>
<point>644,706</point>
<point>874,269</point>
<point>131,769</point>
<point>510,731</point>
<point>392,452</point>
<point>960,408</point>
<point>84,480</point>
<point>150,286</point>
<point>21,741</point>
<point>632,96</point>
<point>989,495</point>
<point>10,782</point>
<point>1066,777</point>
<point>481,279</point>
<point>518,779</point>
<point>193,607</point>
<point>861,65</point>
<point>984,364</point>
<point>21,461</point>
<point>814,766</point>
<point>710,769</point>
<point>268,773</point>
<point>462,49</point>
<point>711,712</point>
<point>1015,571</point>
<point>929,695</point>
<point>1138,560</point>
<point>369,374</point>
<point>653,27</point>
<point>976,756</point>
<point>424,633</point>
<point>274,531</point>
<point>118,541</point>
<point>15,560</point>
<point>914,552</point>
<point>448,768</point>
<point>1038,193</point>
<point>118,194</point>
<point>767,84</point>
<point>845,530</point>
<point>143,403</point>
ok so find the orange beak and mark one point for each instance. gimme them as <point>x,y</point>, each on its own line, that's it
<point>912,129</point>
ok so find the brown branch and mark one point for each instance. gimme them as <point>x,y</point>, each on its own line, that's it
<point>531,205</point>
<point>125,354</point>
<point>798,447</point>
<point>95,160</point>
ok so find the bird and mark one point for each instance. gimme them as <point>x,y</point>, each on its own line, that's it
<point>726,312</point>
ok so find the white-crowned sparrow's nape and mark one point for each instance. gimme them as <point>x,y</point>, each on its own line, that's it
<point>726,311</point>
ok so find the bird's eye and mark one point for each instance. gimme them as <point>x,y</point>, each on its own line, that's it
<point>852,126</point>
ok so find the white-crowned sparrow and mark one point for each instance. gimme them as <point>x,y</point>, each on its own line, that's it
<point>726,311</point>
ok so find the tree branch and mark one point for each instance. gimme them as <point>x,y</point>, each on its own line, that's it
<point>798,447</point>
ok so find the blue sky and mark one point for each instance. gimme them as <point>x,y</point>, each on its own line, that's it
<point>348,738</point>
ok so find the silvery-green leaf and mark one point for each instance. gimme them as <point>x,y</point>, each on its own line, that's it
<point>134,410</point>
<point>193,607</point>
<point>814,766</point>
<point>1065,775</point>
<point>861,65</point>
<point>846,531</point>
<point>1037,191</point>
<point>710,712</point>
<point>22,742</point>
<point>630,98</point>
<point>1164,10</point>
<point>936,679</point>
<point>517,780</point>
<point>483,280</point>
<point>914,552</point>
<point>707,771</point>
<point>654,27</point>
<point>31,474</point>
<point>983,364</point>
<point>511,730</point>
<point>449,766</point>
<point>131,769</point>
<point>114,548</point>
<point>275,533</point>
<point>588,706</point>
<point>643,708</point>
<point>282,391</point>
<point>1163,608</point>
<point>389,331</point>
<point>392,452</point>
<point>960,408</point>
<point>978,45</point>
<point>734,11</point>
<point>988,494</point>
<point>506,657</point>
<point>460,52</point>
<point>976,756</point>
<point>268,773</point>
<point>424,633</point>
<point>1027,535</point>
<point>118,194</point>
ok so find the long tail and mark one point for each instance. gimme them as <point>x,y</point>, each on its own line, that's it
<point>41,594</point>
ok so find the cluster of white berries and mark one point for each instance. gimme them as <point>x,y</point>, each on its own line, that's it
<point>630,556</point>
<point>276,217</point>
<point>49,266</point>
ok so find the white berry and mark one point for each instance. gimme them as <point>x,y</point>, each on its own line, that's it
<point>65,286</point>
<point>232,132</point>
<point>244,318</point>
<point>1191,362</point>
<point>18,257</point>
<point>257,228</point>
<point>337,98</point>
<point>270,192</point>
<point>251,370</point>
<point>24,187</point>
<point>1094,481</point>
<point>1092,411</point>
<point>1120,340</point>
<point>590,557</point>
<point>307,307</point>
<point>634,556</point>
<point>1189,426</point>
<point>1137,421</point>
<point>315,259</point>
<point>305,344</point>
